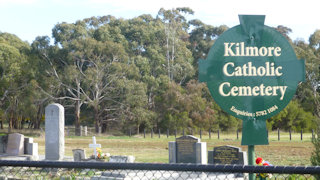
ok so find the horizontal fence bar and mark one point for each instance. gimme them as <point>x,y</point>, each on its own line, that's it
<point>167,167</point>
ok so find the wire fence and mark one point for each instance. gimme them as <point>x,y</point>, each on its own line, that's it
<point>145,171</point>
<point>275,135</point>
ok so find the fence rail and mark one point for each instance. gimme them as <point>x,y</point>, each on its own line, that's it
<point>101,170</point>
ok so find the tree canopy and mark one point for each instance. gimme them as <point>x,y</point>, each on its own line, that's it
<point>115,74</point>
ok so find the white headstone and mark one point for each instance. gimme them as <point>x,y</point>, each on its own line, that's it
<point>32,149</point>
<point>15,144</point>
<point>94,145</point>
<point>54,128</point>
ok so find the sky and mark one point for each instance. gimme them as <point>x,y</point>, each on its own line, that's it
<point>31,18</point>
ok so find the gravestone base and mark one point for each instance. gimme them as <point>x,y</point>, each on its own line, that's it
<point>25,157</point>
<point>122,159</point>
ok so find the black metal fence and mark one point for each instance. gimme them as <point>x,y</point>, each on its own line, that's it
<point>145,171</point>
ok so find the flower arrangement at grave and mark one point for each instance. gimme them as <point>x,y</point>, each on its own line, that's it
<point>102,156</point>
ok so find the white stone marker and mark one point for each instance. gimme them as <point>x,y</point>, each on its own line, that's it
<point>15,144</point>
<point>54,130</point>
<point>94,145</point>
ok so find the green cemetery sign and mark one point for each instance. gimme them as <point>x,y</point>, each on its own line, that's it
<point>252,73</point>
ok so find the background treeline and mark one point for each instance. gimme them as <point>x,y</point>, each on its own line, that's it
<point>134,73</point>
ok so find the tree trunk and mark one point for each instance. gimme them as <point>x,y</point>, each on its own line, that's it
<point>77,119</point>
<point>96,119</point>
<point>39,117</point>
<point>77,111</point>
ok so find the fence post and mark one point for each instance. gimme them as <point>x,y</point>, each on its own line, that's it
<point>200,134</point>
<point>152,133</point>
<point>312,134</point>
<point>175,133</point>
<point>144,133</point>
<point>210,133</point>
<point>237,134</point>
<point>159,132</point>
<point>301,134</point>
<point>130,132</point>
<point>290,134</point>
<point>218,133</point>
<point>278,134</point>
<point>167,133</point>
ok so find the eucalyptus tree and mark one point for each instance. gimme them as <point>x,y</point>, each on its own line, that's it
<point>15,78</point>
<point>179,57</point>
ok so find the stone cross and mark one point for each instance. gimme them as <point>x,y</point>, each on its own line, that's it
<point>94,145</point>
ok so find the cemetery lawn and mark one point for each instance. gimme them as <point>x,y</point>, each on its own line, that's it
<point>155,150</point>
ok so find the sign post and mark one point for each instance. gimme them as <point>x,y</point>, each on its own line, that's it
<point>252,73</point>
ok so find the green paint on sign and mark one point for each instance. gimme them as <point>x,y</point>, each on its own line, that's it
<point>252,73</point>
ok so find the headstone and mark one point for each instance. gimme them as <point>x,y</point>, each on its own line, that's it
<point>27,140</point>
<point>3,144</point>
<point>15,144</point>
<point>94,145</point>
<point>54,132</point>
<point>122,159</point>
<point>188,149</point>
<point>227,155</point>
<point>79,154</point>
<point>32,149</point>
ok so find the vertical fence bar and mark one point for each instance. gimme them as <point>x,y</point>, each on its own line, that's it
<point>218,133</point>
<point>159,132</point>
<point>151,133</point>
<point>301,134</point>
<point>210,133</point>
<point>200,134</point>
<point>175,133</point>
<point>167,133</point>
<point>278,134</point>
<point>290,134</point>
<point>312,134</point>
<point>237,134</point>
<point>144,133</point>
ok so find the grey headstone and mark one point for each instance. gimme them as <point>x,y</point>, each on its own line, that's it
<point>122,159</point>
<point>3,144</point>
<point>227,155</point>
<point>54,132</point>
<point>186,149</point>
<point>27,140</point>
<point>79,154</point>
<point>15,144</point>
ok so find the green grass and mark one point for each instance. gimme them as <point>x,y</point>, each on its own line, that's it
<point>155,150</point>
